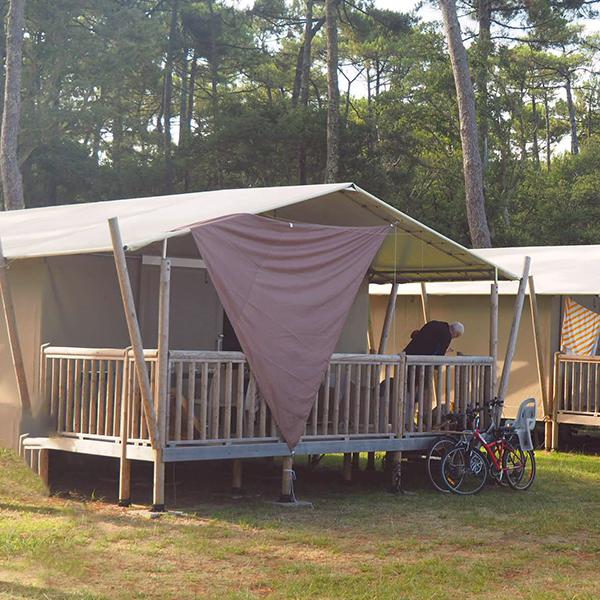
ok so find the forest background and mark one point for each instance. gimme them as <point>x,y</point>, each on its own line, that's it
<point>129,98</point>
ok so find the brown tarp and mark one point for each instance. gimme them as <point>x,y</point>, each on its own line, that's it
<point>287,289</point>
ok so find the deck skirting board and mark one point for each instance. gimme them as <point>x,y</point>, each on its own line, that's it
<point>230,451</point>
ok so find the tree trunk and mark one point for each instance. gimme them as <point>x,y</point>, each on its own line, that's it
<point>572,117</point>
<point>167,100</point>
<point>214,90</point>
<point>473,173</point>
<point>303,91</point>
<point>484,14</point>
<point>547,124</point>
<point>12,183</point>
<point>183,99</point>
<point>536,145</point>
<point>332,166</point>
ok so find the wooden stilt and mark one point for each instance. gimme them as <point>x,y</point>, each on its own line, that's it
<point>236,484</point>
<point>43,466</point>
<point>124,462</point>
<point>539,354</point>
<point>555,425</point>
<point>371,461</point>
<point>514,332</point>
<point>396,458</point>
<point>389,319</point>
<point>13,337</point>
<point>287,480</point>
<point>494,306</point>
<point>347,467</point>
<point>356,461</point>
<point>134,333</point>
<point>158,484</point>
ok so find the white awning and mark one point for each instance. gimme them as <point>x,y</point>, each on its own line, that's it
<point>557,270</point>
<point>414,253</point>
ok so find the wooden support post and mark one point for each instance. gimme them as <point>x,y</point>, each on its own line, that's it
<point>287,480</point>
<point>124,462</point>
<point>162,396</point>
<point>494,308</point>
<point>158,483</point>
<point>13,337</point>
<point>43,466</point>
<point>389,319</point>
<point>134,332</point>
<point>425,303</point>
<point>347,467</point>
<point>396,458</point>
<point>539,354</point>
<point>356,461</point>
<point>236,484</point>
<point>514,332</point>
<point>555,387</point>
<point>371,461</point>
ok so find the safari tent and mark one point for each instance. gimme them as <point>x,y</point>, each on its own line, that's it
<point>571,382</point>
<point>127,351</point>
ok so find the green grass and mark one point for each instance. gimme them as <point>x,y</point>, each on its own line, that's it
<point>359,542</point>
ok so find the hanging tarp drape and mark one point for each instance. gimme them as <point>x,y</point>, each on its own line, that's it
<point>287,289</point>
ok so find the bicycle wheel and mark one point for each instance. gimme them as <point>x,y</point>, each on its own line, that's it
<point>435,457</point>
<point>519,468</point>
<point>465,471</point>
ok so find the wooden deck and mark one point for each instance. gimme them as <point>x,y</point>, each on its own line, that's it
<point>576,399</point>
<point>214,410</point>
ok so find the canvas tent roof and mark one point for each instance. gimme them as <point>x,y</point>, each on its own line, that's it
<point>558,270</point>
<point>415,253</point>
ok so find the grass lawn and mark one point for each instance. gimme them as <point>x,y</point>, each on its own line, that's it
<point>359,542</point>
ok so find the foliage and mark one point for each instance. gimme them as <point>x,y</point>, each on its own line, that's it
<point>94,119</point>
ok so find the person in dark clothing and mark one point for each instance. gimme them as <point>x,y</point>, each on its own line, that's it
<point>433,338</point>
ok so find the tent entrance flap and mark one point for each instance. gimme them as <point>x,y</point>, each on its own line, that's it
<point>287,289</point>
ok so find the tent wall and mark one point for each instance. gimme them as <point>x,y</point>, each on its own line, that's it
<point>354,334</point>
<point>474,312</point>
<point>25,279</point>
<point>82,305</point>
<point>196,316</point>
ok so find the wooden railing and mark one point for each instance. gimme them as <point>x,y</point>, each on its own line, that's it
<point>577,384</point>
<point>83,390</point>
<point>437,385</point>
<point>213,398</point>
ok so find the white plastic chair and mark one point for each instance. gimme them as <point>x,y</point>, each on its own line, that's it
<point>524,424</point>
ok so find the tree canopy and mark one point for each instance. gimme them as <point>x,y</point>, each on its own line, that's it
<point>125,98</point>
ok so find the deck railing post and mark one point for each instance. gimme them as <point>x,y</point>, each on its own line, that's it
<point>557,390</point>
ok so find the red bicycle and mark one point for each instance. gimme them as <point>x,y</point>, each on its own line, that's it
<point>495,453</point>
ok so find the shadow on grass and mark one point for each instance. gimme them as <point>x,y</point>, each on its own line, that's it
<point>29,508</point>
<point>202,490</point>
<point>30,592</point>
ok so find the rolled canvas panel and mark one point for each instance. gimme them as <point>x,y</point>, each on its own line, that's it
<point>287,289</point>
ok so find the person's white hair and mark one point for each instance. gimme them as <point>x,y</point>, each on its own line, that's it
<point>456,329</point>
